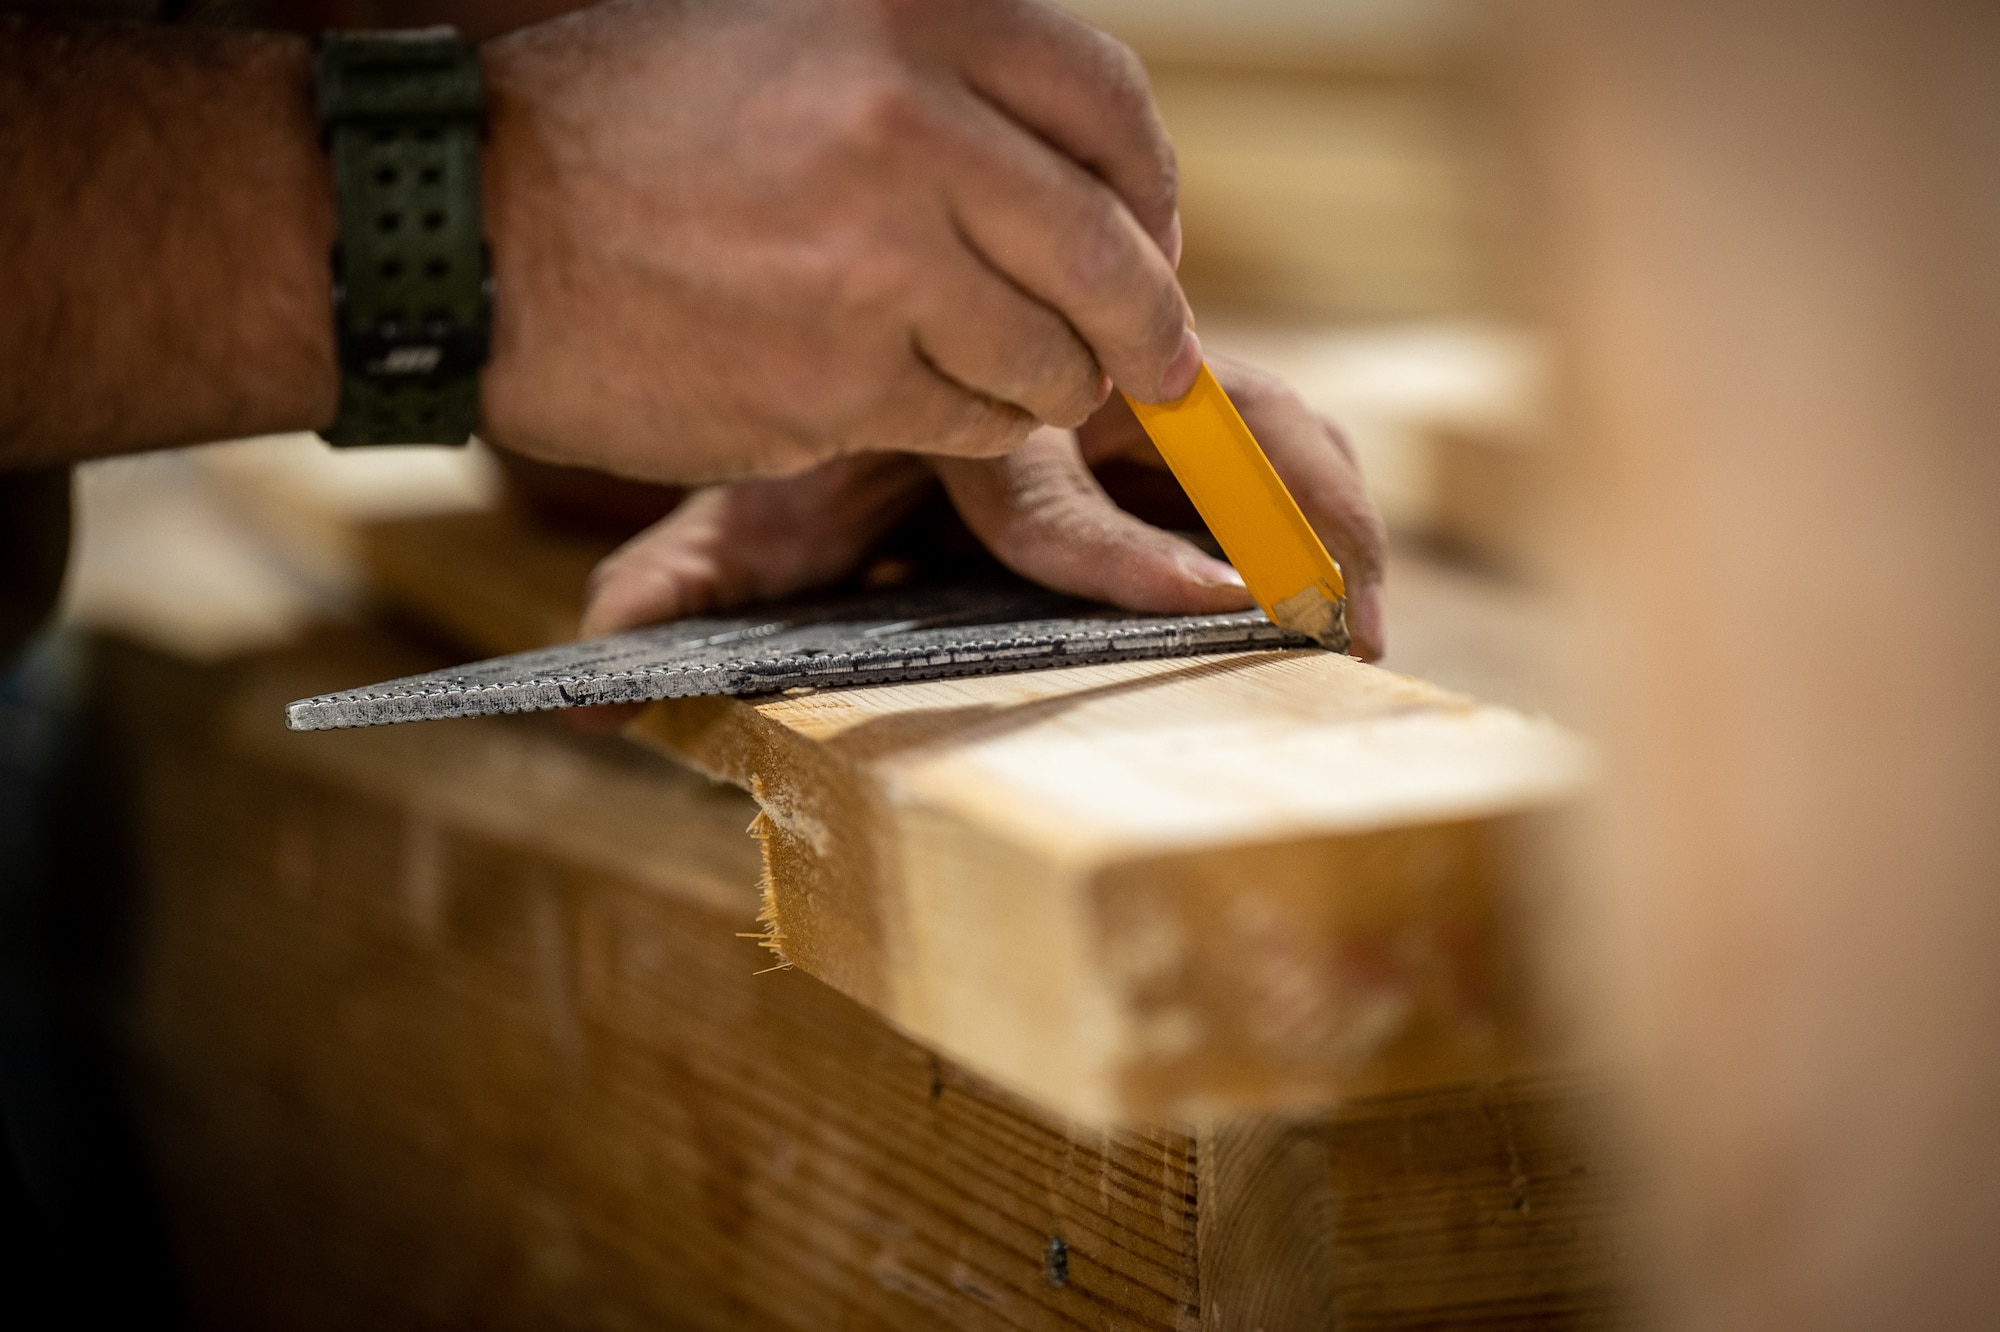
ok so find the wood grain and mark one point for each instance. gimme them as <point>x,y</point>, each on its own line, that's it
<point>1160,889</point>
<point>1266,1226</point>
<point>420,1059</point>
<point>461,1033</point>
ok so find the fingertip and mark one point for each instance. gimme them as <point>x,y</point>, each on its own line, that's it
<point>1206,586</point>
<point>600,618</point>
<point>597,619</point>
<point>1172,246</point>
<point>1211,572</point>
<point>628,592</point>
<point>1183,370</point>
<point>1365,622</point>
<point>609,604</point>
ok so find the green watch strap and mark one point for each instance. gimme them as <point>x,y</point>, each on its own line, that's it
<point>412,291</point>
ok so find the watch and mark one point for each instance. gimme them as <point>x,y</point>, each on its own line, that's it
<point>402,115</point>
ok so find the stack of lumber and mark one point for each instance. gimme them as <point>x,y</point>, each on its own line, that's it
<point>458,1024</point>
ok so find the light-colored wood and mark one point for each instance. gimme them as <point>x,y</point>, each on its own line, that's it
<point>1494,499</point>
<point>1776,230</point>
<point>1157,889</point>
<point>1326,197</point>
<point>1185,888</point>
<point>309,500</point>
<point>451,1026</point>
<point>491,581</point>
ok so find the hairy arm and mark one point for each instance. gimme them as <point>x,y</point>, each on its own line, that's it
<point>729,238</point>
<point>166,215</point>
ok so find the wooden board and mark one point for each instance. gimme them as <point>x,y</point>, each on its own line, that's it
<point>493,581</point>
<point>451,1026</point>
<point>1163,889</point>
<point>1169,889</point>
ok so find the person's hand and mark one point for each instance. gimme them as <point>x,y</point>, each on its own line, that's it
<point>1041,510</point>
<point>744,541</point>
<point>1043,513</point>
<point>746,237</point>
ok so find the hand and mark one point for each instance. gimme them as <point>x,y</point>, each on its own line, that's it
<point>746,237</point>
<point>1041,510</point>
<point>747,541</point>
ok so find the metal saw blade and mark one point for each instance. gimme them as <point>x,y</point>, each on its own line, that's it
<point>917,633</point>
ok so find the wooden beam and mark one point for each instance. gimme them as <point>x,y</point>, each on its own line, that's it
<point>1165,889</point>
<point>491,581</point>
<point>1161,889</point>
<point>450,1026</point>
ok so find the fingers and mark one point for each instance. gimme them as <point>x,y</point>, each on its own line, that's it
<point>752,540</point>
<point>668,571</point>
<point>1066,239</point>
<point>984,333</point>
<point>926,409</point>
<point>1318,467</point>
<point>1042,513</point>
<point>1087,94</point>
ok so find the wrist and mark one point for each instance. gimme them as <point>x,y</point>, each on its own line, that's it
<point>285,308</point>
<point>402,114</point>
<point>515,194</point>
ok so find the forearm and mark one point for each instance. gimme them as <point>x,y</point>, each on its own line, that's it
<point>166,216</point>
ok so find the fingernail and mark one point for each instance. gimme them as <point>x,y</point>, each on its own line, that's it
<point>1183,369</point>
<point>1211,572</point>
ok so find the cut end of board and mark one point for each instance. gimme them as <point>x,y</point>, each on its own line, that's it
<point>1317,613</point>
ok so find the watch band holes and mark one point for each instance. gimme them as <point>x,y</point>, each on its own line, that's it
<point>431,175</point>
<point>428,134</point>
<point>383,136</point>
<point>433,220</point>
<point>390,269</point>
<point>436,268</point>
<point>388,221</point>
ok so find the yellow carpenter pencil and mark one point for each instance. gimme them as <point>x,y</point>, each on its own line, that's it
<point>1224,471</point>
